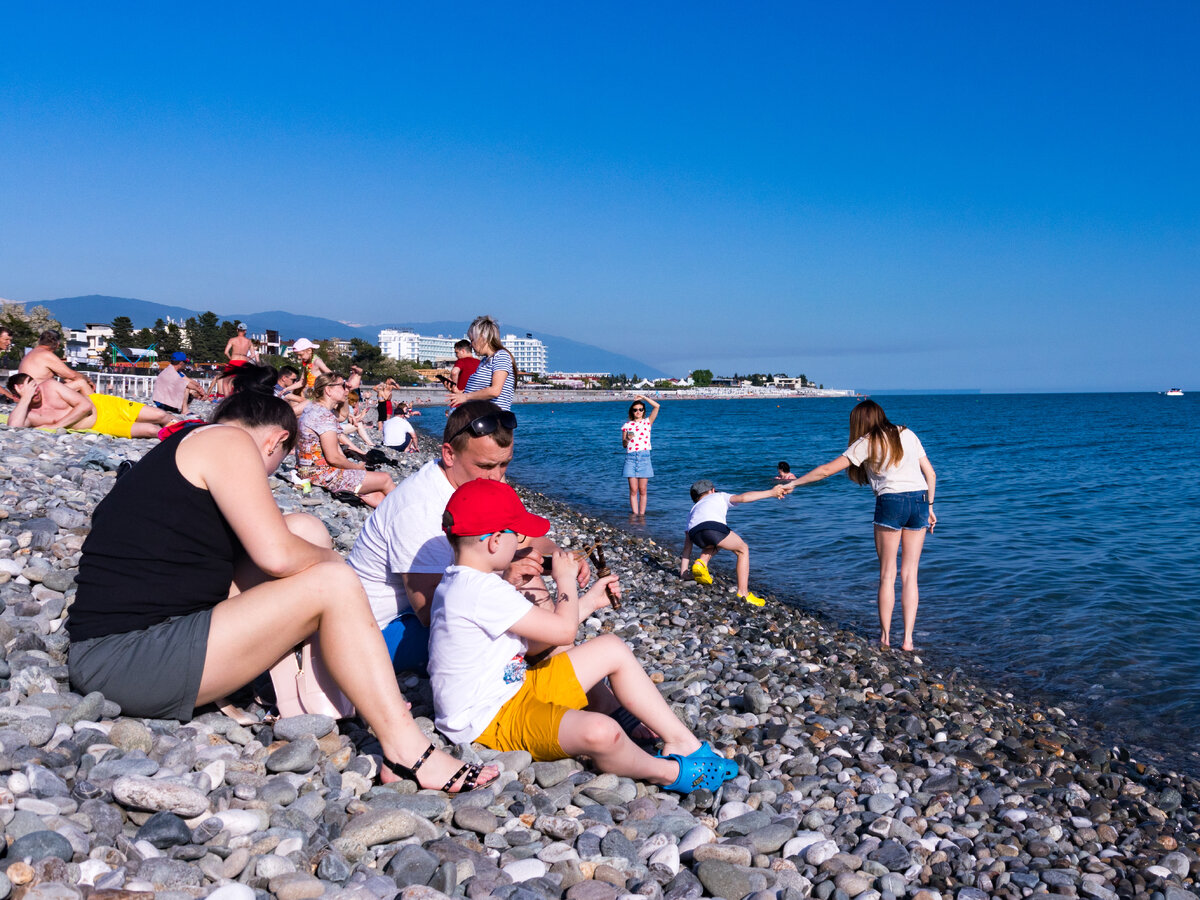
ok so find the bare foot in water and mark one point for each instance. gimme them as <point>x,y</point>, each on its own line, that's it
<point>885,640</point>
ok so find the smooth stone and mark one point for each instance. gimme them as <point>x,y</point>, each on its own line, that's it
<point>298,756</point>
<point>525,869</point>
<point>380,827</point>
<point>480,821</point>
<point>233,892</point>
<point>169,874</point>
<point>165,829</point>
<point>272,866</point>
<point>548,774</point>
<point>593,890</point>
<point>293,728</point>
<point>820,852</point>
<point>734,854</point>
<point>722,879</point>
<point>40,845</point>
<point>243,821</point>
<point>155,794</point>
<point>296,886</point>
<point>127,734</point>
<point>412,865</point>
<point>893,855</point>
<point>853,883</point>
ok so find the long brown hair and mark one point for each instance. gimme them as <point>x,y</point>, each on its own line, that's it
<point>884,449</point>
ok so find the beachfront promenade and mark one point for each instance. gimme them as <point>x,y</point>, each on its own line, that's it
<point>864,774</point>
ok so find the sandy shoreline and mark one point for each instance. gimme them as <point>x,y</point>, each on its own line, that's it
<point>864,773</point>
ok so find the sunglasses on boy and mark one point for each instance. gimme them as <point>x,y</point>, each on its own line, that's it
<point>520,537</point>
<point>482,426</point>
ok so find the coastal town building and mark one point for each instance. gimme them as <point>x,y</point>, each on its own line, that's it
<point>398,345</point>
<point>87,343</point>
<point>576,380</point>
<point>528,352</point>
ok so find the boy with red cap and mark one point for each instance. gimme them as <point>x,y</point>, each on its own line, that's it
<point>480,634</point>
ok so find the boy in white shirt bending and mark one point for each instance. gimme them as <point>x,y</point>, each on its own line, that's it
<point>706,529</point>
<point>482,629</point>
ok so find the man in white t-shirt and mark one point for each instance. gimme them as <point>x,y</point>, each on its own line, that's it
<point>402,553</point>
<point>398,433</point>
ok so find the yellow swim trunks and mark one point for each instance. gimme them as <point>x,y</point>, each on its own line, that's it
<point>114,415</point>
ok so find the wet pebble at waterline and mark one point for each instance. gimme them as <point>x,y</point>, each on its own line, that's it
<point>862,774</point>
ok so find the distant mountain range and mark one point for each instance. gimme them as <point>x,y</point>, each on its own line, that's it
<point>563,354</point>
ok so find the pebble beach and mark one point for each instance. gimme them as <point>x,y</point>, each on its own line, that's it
<point>864,773</point>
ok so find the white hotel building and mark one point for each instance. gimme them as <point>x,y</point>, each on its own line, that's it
<point>528,352</point>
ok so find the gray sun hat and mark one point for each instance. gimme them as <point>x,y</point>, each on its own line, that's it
<point>700,488</point>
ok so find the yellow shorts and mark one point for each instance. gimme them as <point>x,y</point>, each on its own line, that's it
<point>530,720</point>
<point>114,415</point>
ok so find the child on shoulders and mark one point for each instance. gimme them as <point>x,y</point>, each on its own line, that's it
<point>706,529</point>
<point>480,634</point>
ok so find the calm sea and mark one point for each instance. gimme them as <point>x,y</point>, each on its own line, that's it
<point>1065,558</point>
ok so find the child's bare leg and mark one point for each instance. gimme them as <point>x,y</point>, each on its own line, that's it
<point>733,542</point>
<point>609,657</point>
<point>596,735</point>
<point>911,542</point>
<point>887,542</point>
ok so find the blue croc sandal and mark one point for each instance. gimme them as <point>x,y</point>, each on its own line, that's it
<point>701,769</point>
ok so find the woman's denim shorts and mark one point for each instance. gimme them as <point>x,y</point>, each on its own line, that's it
<point>637,464</point>
<point>908,511</point>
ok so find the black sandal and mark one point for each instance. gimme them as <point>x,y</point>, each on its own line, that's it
<point>469,772</point>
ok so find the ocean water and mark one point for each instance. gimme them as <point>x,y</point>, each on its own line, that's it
<point>1063,567</point>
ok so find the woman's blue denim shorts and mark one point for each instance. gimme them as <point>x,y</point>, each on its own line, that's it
<point>637,464</point>
<point>908,511</point>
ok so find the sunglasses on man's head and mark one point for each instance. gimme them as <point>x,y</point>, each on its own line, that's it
<point>482,426</point>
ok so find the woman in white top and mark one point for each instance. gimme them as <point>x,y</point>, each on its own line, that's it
<point>891,459</point>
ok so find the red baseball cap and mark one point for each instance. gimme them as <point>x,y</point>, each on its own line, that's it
<point>484,506</point>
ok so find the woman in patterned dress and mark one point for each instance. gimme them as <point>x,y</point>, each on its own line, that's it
<point>320,458</point>
<point>635,435</point>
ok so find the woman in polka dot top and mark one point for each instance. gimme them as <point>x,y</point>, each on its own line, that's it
<point>635,435</point>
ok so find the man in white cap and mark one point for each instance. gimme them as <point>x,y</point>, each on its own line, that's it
<point>238,349</point>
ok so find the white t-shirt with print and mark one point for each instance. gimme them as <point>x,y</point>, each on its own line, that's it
<point>403,535</point>
<point>475,665</point>
<point>639,433</point>
<point>709,508</point>
<point>898,479</point>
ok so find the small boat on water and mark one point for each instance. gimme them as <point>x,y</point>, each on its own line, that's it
<point>1174,392</point>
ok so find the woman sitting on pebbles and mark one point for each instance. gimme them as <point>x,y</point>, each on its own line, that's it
<point>214,586</point>
<point>321,459</point>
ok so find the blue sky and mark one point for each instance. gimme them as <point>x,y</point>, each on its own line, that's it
<point>878,195</point>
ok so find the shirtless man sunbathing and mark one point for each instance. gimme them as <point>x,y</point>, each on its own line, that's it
<point>53,405</point>
<point>42,363</point>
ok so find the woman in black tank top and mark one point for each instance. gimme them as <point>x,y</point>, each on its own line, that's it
<point>192,539</point>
